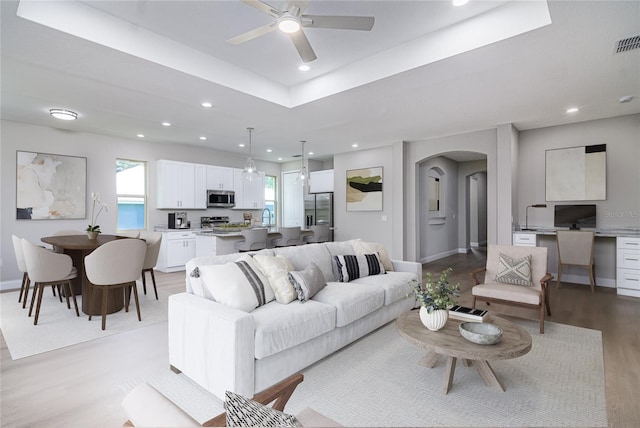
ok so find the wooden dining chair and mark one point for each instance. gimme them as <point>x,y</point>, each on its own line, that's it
<point>46,268</point>
<point>116,264</point>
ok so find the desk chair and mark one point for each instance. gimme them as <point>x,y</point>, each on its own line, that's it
<point>575,248</point>
<point>45,268</point>
<point>290,236</point>
<point>254,239</point>
<point>320,234</point>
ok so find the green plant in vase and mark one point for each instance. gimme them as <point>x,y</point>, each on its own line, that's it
<point>94,229</point>
<point>436,298</point>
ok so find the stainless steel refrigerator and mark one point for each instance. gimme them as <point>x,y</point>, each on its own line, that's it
<point>318,209</point>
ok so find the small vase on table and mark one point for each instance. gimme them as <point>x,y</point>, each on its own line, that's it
<point>92,235</point>
<point>435,320</point>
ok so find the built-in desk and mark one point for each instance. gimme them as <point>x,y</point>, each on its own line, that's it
<point>616,255</point>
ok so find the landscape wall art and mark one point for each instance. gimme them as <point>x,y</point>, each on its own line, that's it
<point>364,189</point>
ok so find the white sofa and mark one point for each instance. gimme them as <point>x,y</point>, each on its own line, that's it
<point>222,348</point>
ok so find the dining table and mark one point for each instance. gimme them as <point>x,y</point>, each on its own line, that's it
<point>78,247</point>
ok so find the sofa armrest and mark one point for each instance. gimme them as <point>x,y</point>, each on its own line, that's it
<point>405,266</point>
<point>212,344</point>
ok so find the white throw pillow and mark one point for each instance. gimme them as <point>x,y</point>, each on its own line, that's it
<point>361,247</point>
<point>238,284</point>
<point>276,270</point>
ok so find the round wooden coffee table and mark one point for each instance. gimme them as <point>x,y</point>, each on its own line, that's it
<point>448,342</point>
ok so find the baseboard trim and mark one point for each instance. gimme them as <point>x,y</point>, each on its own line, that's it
<point>442,255</point>
<point>11,285</point>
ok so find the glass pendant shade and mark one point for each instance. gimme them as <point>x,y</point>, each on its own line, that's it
<point>250,172</point>
<point>302,175</point>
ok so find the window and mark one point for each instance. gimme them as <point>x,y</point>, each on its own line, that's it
<point>269,217</point>
<point>131,192</point>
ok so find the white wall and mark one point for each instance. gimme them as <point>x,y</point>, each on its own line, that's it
<point>101,153</point>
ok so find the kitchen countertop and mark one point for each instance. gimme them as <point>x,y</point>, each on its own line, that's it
<point>272,231</point>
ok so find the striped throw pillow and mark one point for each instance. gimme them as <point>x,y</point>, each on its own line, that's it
<point>514,271</point>
<point>350,267</point>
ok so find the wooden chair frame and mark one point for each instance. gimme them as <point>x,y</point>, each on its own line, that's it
<point>544,284</point>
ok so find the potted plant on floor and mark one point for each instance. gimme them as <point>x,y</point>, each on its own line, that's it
<point>436,298</point>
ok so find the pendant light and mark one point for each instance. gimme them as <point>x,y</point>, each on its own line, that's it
<point>302,175</point>
<point>250,172</point>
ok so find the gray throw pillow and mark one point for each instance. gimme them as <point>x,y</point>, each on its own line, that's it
<point>514,271</point>
<point>242,412</point>
<point>307,282</point>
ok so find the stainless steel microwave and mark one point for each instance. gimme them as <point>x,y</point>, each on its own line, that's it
<point>221,198</point>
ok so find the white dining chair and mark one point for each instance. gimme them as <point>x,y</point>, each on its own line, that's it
<point>22,267</point>
<point>153,241</point>
<point>45,268</point>
<point>115,264</point>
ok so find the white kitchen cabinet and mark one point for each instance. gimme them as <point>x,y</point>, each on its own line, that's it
<point>321,181</point>
<point>628,266</point>
<point>219,178</point>
<point>525,239</point>
<point>181,185</point>
<point>249,194</point>
<point>176,249</point>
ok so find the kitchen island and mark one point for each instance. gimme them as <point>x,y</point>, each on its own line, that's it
<point>215,243</point>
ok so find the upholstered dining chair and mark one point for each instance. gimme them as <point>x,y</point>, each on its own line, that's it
<point>22,267</point>
<point>254,239</point>
<point>129,233</point>
<point>66,232</point>
<point>575,248</point>
<point>115,264</point>
<point>153,241</point>
<point>45,268</point>
<point>320,234</point>
<point>290,236</point>
<point>514,276</point>
<point>146,407</point>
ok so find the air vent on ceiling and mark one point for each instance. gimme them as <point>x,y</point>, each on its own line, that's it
<point>625,45</point>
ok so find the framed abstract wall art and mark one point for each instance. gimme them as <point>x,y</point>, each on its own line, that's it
<point>364,189</point>
<point>50,187</point>
<point>576,173</point>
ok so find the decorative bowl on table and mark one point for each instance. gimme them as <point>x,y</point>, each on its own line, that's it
<point>480,333</point>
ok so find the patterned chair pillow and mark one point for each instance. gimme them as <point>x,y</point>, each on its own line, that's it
<point>242,412</point>
<point>514,271</point>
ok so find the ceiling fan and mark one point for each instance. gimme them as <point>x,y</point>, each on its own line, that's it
<point>292,20</point>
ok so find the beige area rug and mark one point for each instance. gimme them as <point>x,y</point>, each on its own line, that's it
<point>59,327</point>
<point>377,381</point>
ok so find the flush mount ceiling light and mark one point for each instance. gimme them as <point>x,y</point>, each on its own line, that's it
<point>250,171</point>
<point>302,175</point>
<point>62,114</point>
<point>288,23</point>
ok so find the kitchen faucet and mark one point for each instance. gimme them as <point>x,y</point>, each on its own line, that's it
<point>269,214</point>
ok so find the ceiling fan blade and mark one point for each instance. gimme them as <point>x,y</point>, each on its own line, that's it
<point>303,46</point>
<point>250,35</point>
<point>362,23</point>
<point>257,4</point>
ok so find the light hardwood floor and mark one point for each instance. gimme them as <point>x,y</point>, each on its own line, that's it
<point>79,386</point>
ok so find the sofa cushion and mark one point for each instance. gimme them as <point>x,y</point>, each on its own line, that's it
<point>340,248</point>
<point>307,282</point>
<point>276,270</point>
<point>280,327</point>
<point>350,267</point>
<point>243,412</point>
<point>352,301</point>
<point>301,255</point>
<point>236,284</point>
<point>396,285</point>
<point>513,293</point>
<point>362,247</point>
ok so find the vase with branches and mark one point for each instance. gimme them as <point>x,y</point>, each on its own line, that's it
<point>436,298</point>
<point>94,228</point>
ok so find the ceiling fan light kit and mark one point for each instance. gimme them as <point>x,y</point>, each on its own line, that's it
<point>292,20</point>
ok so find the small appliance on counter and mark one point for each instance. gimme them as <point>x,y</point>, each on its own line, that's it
<point>178,220</point>
<point>210,222</point>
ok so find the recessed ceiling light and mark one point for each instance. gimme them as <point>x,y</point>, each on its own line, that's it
<point>269,150</point>
<point>206,104</point>
<point>625,99</point>
<point>140,135</point>
<point>304,68</point>
<point>241,145</point>
<point>572,110</point>
<point>166,124</point>
<point>354,145</point>
<point>310,153</point>
<point>460,2</point>
<point>279,158</point>
<point>203,138</point>
<point>62,114</point>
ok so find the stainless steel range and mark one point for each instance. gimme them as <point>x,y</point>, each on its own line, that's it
<point>210,222</point>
